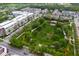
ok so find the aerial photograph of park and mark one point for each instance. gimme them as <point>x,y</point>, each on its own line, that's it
<point>39,29</point>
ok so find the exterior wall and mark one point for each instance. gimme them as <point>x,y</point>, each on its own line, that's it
<point>9,30</point>
<point>2,32</point>
<point>16,26</point>
<point>55,16</point>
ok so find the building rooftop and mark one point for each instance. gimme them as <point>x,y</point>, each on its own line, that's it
<point>4,23</point>
<point>56,11</point>
<point>3,51</point>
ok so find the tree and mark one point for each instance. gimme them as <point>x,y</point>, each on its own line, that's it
<point>16,42</point>
<point>35,24</point>
<point>57,45</point>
